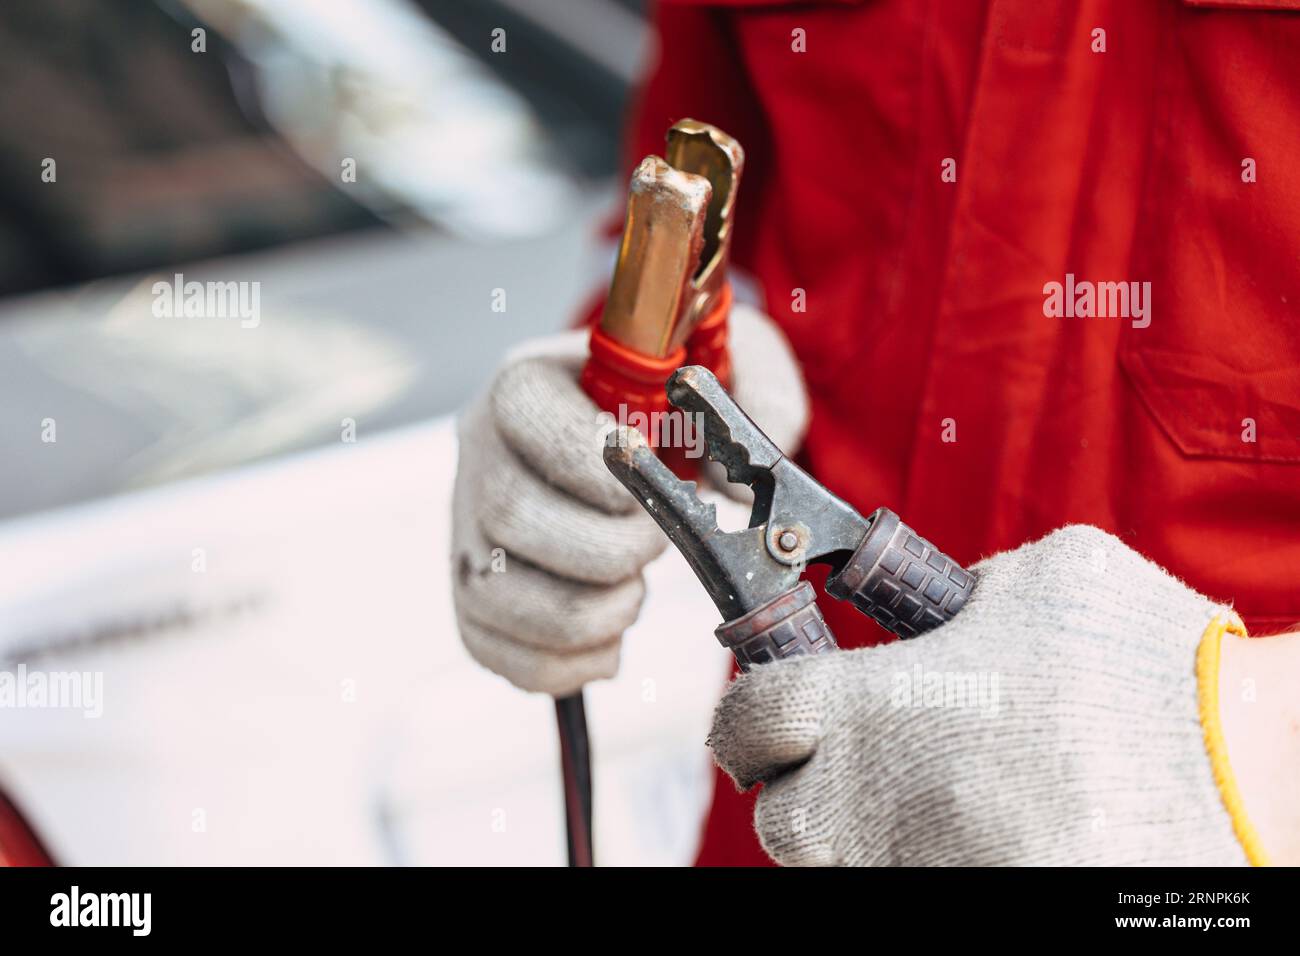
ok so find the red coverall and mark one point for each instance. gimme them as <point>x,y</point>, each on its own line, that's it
<point>925,299</point>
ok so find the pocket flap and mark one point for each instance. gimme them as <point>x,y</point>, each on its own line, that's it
<point>1210,409</point>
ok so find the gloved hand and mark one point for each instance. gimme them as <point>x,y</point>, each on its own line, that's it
<point>547,546</point>
<point>1054,721</point>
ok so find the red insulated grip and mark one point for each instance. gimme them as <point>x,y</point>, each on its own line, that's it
<point>707,345</point>
<point>616,376</point>
<point>625,382</point>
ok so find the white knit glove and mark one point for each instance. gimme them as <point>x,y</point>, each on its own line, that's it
<point>547,546</point>
<point>1054,721</point>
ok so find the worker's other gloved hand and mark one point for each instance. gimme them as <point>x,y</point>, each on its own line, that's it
<point>1053,721</point>
<point>547,546</point>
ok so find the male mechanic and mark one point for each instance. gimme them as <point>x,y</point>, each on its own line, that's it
<point>924,180</point>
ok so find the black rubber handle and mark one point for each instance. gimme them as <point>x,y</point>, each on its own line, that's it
<point>901,580</point>
<point>896,577</point>
<point>789,625</point>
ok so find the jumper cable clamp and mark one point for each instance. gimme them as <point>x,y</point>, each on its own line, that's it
<point>878,563</point>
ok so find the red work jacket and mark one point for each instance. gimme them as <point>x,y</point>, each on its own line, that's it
<point>920,171</point>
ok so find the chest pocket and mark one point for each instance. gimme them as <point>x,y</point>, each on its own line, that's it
<point>1218,366</point>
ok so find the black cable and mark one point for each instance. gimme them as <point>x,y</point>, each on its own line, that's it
<point>575,766</point>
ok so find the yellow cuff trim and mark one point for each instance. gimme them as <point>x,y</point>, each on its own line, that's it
<point>1207,680</point>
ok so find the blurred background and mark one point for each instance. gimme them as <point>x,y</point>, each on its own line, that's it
<point>243,525</point>
<point>481,161</point>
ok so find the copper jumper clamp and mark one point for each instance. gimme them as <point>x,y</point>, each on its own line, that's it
<point>669,298</point>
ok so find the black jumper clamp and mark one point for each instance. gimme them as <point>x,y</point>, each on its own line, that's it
<point>878,563</point>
